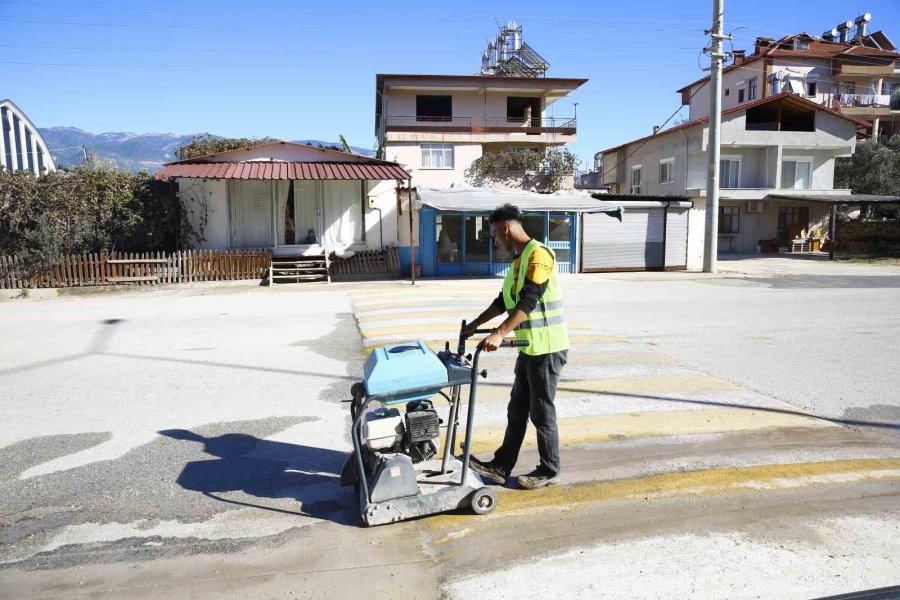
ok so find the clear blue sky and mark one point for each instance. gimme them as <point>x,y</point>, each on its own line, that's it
<point>307,70</point>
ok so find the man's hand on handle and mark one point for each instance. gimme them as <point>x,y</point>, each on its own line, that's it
<point>493,341</point>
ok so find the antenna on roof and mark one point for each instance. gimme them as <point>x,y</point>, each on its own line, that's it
<point>509,56</point>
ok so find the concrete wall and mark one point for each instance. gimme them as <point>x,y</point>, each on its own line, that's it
<point>207,199</point>
<point>410,156</point>
<point>764,226</point>
<point>696,234</point>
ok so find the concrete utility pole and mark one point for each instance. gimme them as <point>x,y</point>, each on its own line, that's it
<point>716,58</point>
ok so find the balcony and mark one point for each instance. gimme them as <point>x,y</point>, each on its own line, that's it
<point>479,125</point>
<point>868,100</point>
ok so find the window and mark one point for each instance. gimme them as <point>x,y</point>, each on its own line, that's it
<point>667,170</point>
<point>533,224</point>
<point>742,93</point>
<point>730,173</point>
<point>812,87</point>
<point>727,91</point>
<point>848,88</point>
<point>796,174</point>
<point>449,234</point>
<point>751,89</point>
<point>478,239</point>
<point>792,216</point>
<point>437,156</point>
<point>520,109</point>
<point>636,180</point>
<point>801,44</point>
<point>515,149</point>
<point>729,219</point>
<point>434,108</point>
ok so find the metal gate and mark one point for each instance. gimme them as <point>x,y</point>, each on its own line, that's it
<point>645,239</point>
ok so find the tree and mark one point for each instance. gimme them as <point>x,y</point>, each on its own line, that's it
<point>548,168</point>
<point>873,169</point>
<point>203,144</point>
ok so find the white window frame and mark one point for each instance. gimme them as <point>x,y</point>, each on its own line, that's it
<point>670,171</point>
<point>428,150</point>
<point>798,159</point>
<point>811,80</point>
<point>640,173</point>
<point>801,44</point>
<point>741,91</point>
<point>752,89</point>
<point>739,160</point>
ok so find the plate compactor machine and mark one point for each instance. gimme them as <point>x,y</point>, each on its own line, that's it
<point>398,464</point>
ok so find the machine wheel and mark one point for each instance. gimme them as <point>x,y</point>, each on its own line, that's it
<point>483,501</point>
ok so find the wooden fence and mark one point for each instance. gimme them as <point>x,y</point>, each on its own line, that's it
<point>132,268</point>
<point>367,262</point>
<point>151,268</point>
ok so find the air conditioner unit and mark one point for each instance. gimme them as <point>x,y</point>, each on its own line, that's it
<point>755,206</point>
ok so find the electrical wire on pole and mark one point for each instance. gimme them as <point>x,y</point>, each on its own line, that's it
<point>716,58</point>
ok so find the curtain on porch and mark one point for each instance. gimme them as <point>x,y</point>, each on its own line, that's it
<point>342,201</point>
<point>306,205</point>
<point>280,189</point>
<point>250,213</point>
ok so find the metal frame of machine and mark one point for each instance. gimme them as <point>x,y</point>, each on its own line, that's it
<point>440,484</point>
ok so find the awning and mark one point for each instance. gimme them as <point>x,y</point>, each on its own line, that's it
<point>284,170</point>
<point>646,200</point>
<point>838,198</point>
<point>487,199</point>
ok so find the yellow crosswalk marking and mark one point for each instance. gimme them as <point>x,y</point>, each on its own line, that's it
<point>702,482</point>
<point>594,429</point>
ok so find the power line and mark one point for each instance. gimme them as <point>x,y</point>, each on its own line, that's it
<point>630,154</point>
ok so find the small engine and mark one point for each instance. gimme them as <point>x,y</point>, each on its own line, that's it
<point>422,430</point>
<point>415,434</point>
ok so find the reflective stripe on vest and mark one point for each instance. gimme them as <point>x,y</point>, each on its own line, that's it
<point>545,328</point>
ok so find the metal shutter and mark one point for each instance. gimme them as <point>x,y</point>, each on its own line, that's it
<point>634,244</point>
<point>676,238</point>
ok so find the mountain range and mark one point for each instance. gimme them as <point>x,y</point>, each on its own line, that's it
<point>130,151</point>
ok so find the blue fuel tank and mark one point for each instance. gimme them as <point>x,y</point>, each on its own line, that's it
<point>391,370</point>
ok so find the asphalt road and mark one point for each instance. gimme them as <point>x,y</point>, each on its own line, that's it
<point>825,343</point>
<point>186,443</point>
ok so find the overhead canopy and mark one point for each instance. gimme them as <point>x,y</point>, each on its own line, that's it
<point>256,169</point>
<point>646,200</point>
<point>839,198</point>
<point>487,199</point>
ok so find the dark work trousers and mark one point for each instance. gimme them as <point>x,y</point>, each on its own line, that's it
<point>532,396</point>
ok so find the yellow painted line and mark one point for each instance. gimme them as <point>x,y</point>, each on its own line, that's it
<point>492,392</point>
<point>437,343</point>
<point>605,428</point>
<point>702,482</point>
<point>437,328</point>
<point>412,313</point>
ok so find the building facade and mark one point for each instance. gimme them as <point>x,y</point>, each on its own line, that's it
<point>779,145</point>
<point>21,146</point>
<point>852,72</point>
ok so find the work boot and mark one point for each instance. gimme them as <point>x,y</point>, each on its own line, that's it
<point>540,477</point>
<point>488,470</point>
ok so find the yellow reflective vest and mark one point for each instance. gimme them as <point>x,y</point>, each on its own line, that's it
<point>545,327</point>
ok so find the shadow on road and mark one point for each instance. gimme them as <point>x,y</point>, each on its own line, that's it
<point>267,469</point>
<point>100,342</point>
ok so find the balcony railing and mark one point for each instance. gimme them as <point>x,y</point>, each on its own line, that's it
<point>867,100</point>
<point>530,126</point>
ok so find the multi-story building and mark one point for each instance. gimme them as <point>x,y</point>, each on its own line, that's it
<point>846,69</point>
<point>774,152</point>
<point>436,126</point>
<point>21,146</point>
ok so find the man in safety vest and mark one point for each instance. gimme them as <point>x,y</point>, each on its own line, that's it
<point>532,299</point>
